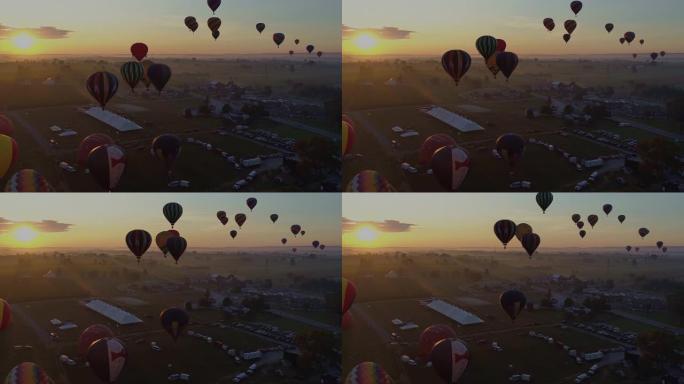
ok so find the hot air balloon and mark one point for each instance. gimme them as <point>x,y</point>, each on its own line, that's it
<point>28,180</point>
<point>163,237</point>
<point>369,181</point>
<point>486,45</point>
<point>664,249</point>
<point>260,27</point>
<point>139,51</point>
<point>450,166</point>
<point>576,7</point>
<point>366,373</point>
<point>530,243</point>
<point>107,358</point>
<point>634,55</point>
<point>610,27</point>
<point>492,66</point>
<point>348,136</point>
<point>582,233</point>
<point>310,48</point>
<point>549,24</point>
<point>167,148</point>
<point>507,63</point>
<point>450,359</point>
<point>512,146</point>
<point>251,203</point>
<point>295,229</point>
<point>90,335</point>
<point>663,53</point>
<point>233,233</point>
<point>580,224</point>
<point>139,241</point>
<point>159,75</point>
<point>622,218</point>
<point>176,246</point>
<point>501,45</point>
<point>174,321</point>
<point>659,244</point>
<point>431,336</point>
<point>5,315</point>
<point>456,63</point>
<point>89,143</point>
<point>303,232</point>
<point>216,34</point>
<point>521,230</point>
<point>654,56</point>
<point>321,247</point>
<point>643,232</point>
<point>296,41</point>
<point>607,208</point>
<point>570,26</point>
<point>348,294</point>
<point>291,52</point>
<point>9,151</point>
<point>146,78</point>
<point>628,248</point>
<point>636,249</point>
<point>274,217</point>
<point>544,200</point>
<point>576,217</point>
<point>102,86</point>
<point>431,145</point>
<point>278,38</point>
<point>642,41</point>
<point>592,219</point>
<point>132,72</point>
<point>629,37</point>
<point>6,126</point>
<point>504,231</point>
<point>222,217</point>
<point>214,5</point>
<point>28,373</point>
<point>172,212</point>
<point>513,302</point>
<point>191,23</point>
<point>240,219</point>
<point>106,164</point>
<point>283,241</point>
<point>315,243</point>
<point>567,37</point>
<point>294,250</point>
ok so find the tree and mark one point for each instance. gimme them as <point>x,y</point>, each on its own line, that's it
<point>658,347</point>
<point>675,303</point>
<point>657,155</point>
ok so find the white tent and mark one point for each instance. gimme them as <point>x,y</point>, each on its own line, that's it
<point>452,119</point>
<point>113,313</point>
<point>115,121</point>
<point>455,313</point>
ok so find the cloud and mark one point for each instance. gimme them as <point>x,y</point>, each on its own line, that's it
<point>46,33</point>
<point>387,33</point>
<point>393,226</point>
<point>45,226</point>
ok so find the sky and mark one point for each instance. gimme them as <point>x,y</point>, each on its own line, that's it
<point>100,221</point>
<point>465,220</point>
<point>440,25</point>
<point>108,27</point>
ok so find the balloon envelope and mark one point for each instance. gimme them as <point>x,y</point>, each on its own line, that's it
<point>139,51</point>
<point>456,63</point>
<point>92,334</point>
<point>106,164</point>
<point>174,321</point>
<point>450,359</point>
<point>431,336</point>
<point>102,86</point>
<point>107,358</point>
<point>504,231</point>
<point>348,294</point>
<point>28,180</point>
<point>159,75</point>
<point>28,373</point>
<point>172,212</point>
<point>513,302</point>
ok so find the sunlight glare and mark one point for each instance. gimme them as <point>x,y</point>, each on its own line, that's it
<point>23,41</point>
<point>366,234</point>
<point>365,42</point>
<point>24,234</point>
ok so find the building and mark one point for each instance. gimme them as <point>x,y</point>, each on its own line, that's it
<point>115,121</point>
<point>452,119</point>
<point>453,312</point>
<point>113,313</point>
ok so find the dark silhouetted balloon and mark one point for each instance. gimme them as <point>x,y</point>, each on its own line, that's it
<point>176,246</point>
<point>233,233</point>
<point>622,218</point>
<point>504,231</point>
<point>172,212</point>
<point>576,217</point>
<point>139,51</point>
<point>511,146</point>
<point>174,321</point>
<point>214,5</point>
<point>544,200</point>
<point>132,72</point>
<point>530,243</point>
<point>191,23</point>
<point>450,165</point>
<point>240,219</point>
<point>549,24</point>
<point>576,7</point>
<point>102,86</point>
<point>251,203</point>
<point>513,302</point>
<point>607,209</point>
<point>138,242</point>
<point>106,164</point>
<point>274,218</point>
<point>222,217</point>
<point>159,75</point>
<point>260,27</point>
<point>167,148</point>
<point>456,63</point>
<point>90,335</point>
<point>450,359</point>
<point>431,336</point>
<point>107,358</point>
<point>278,38</point>
<point>592,219</point>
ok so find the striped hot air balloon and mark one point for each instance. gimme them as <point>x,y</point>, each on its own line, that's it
<point>107,358</point>
<point>5,315</point>
<point>132,72</point>
<point>107,164</point>
<point>89,143</point>
<point>28,180</point>
<point>486,45</point>
<point>369,181</point>
<point>368,373</point>
<point>544,200</point>
<point>450,165</point>
<point>138,242</point>
<point>102,86</point>
<point>28,373</point>
<point>450,359</point>
<point>9,151</point>
<point>172,212</point>
<point>504,231</point>
<point>348,136</point>
<point>456,63</point>
<point>530,243</point>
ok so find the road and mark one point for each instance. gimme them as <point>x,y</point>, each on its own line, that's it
<point>305,127</point>
<point>645,320</point>
<point>302,319</point>
<point>650,129</point>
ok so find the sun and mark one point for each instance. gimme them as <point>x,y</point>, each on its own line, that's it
<point>366,234</point>
<point>23,41</point>
<point>365,42</point>
<point>24,234</point>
